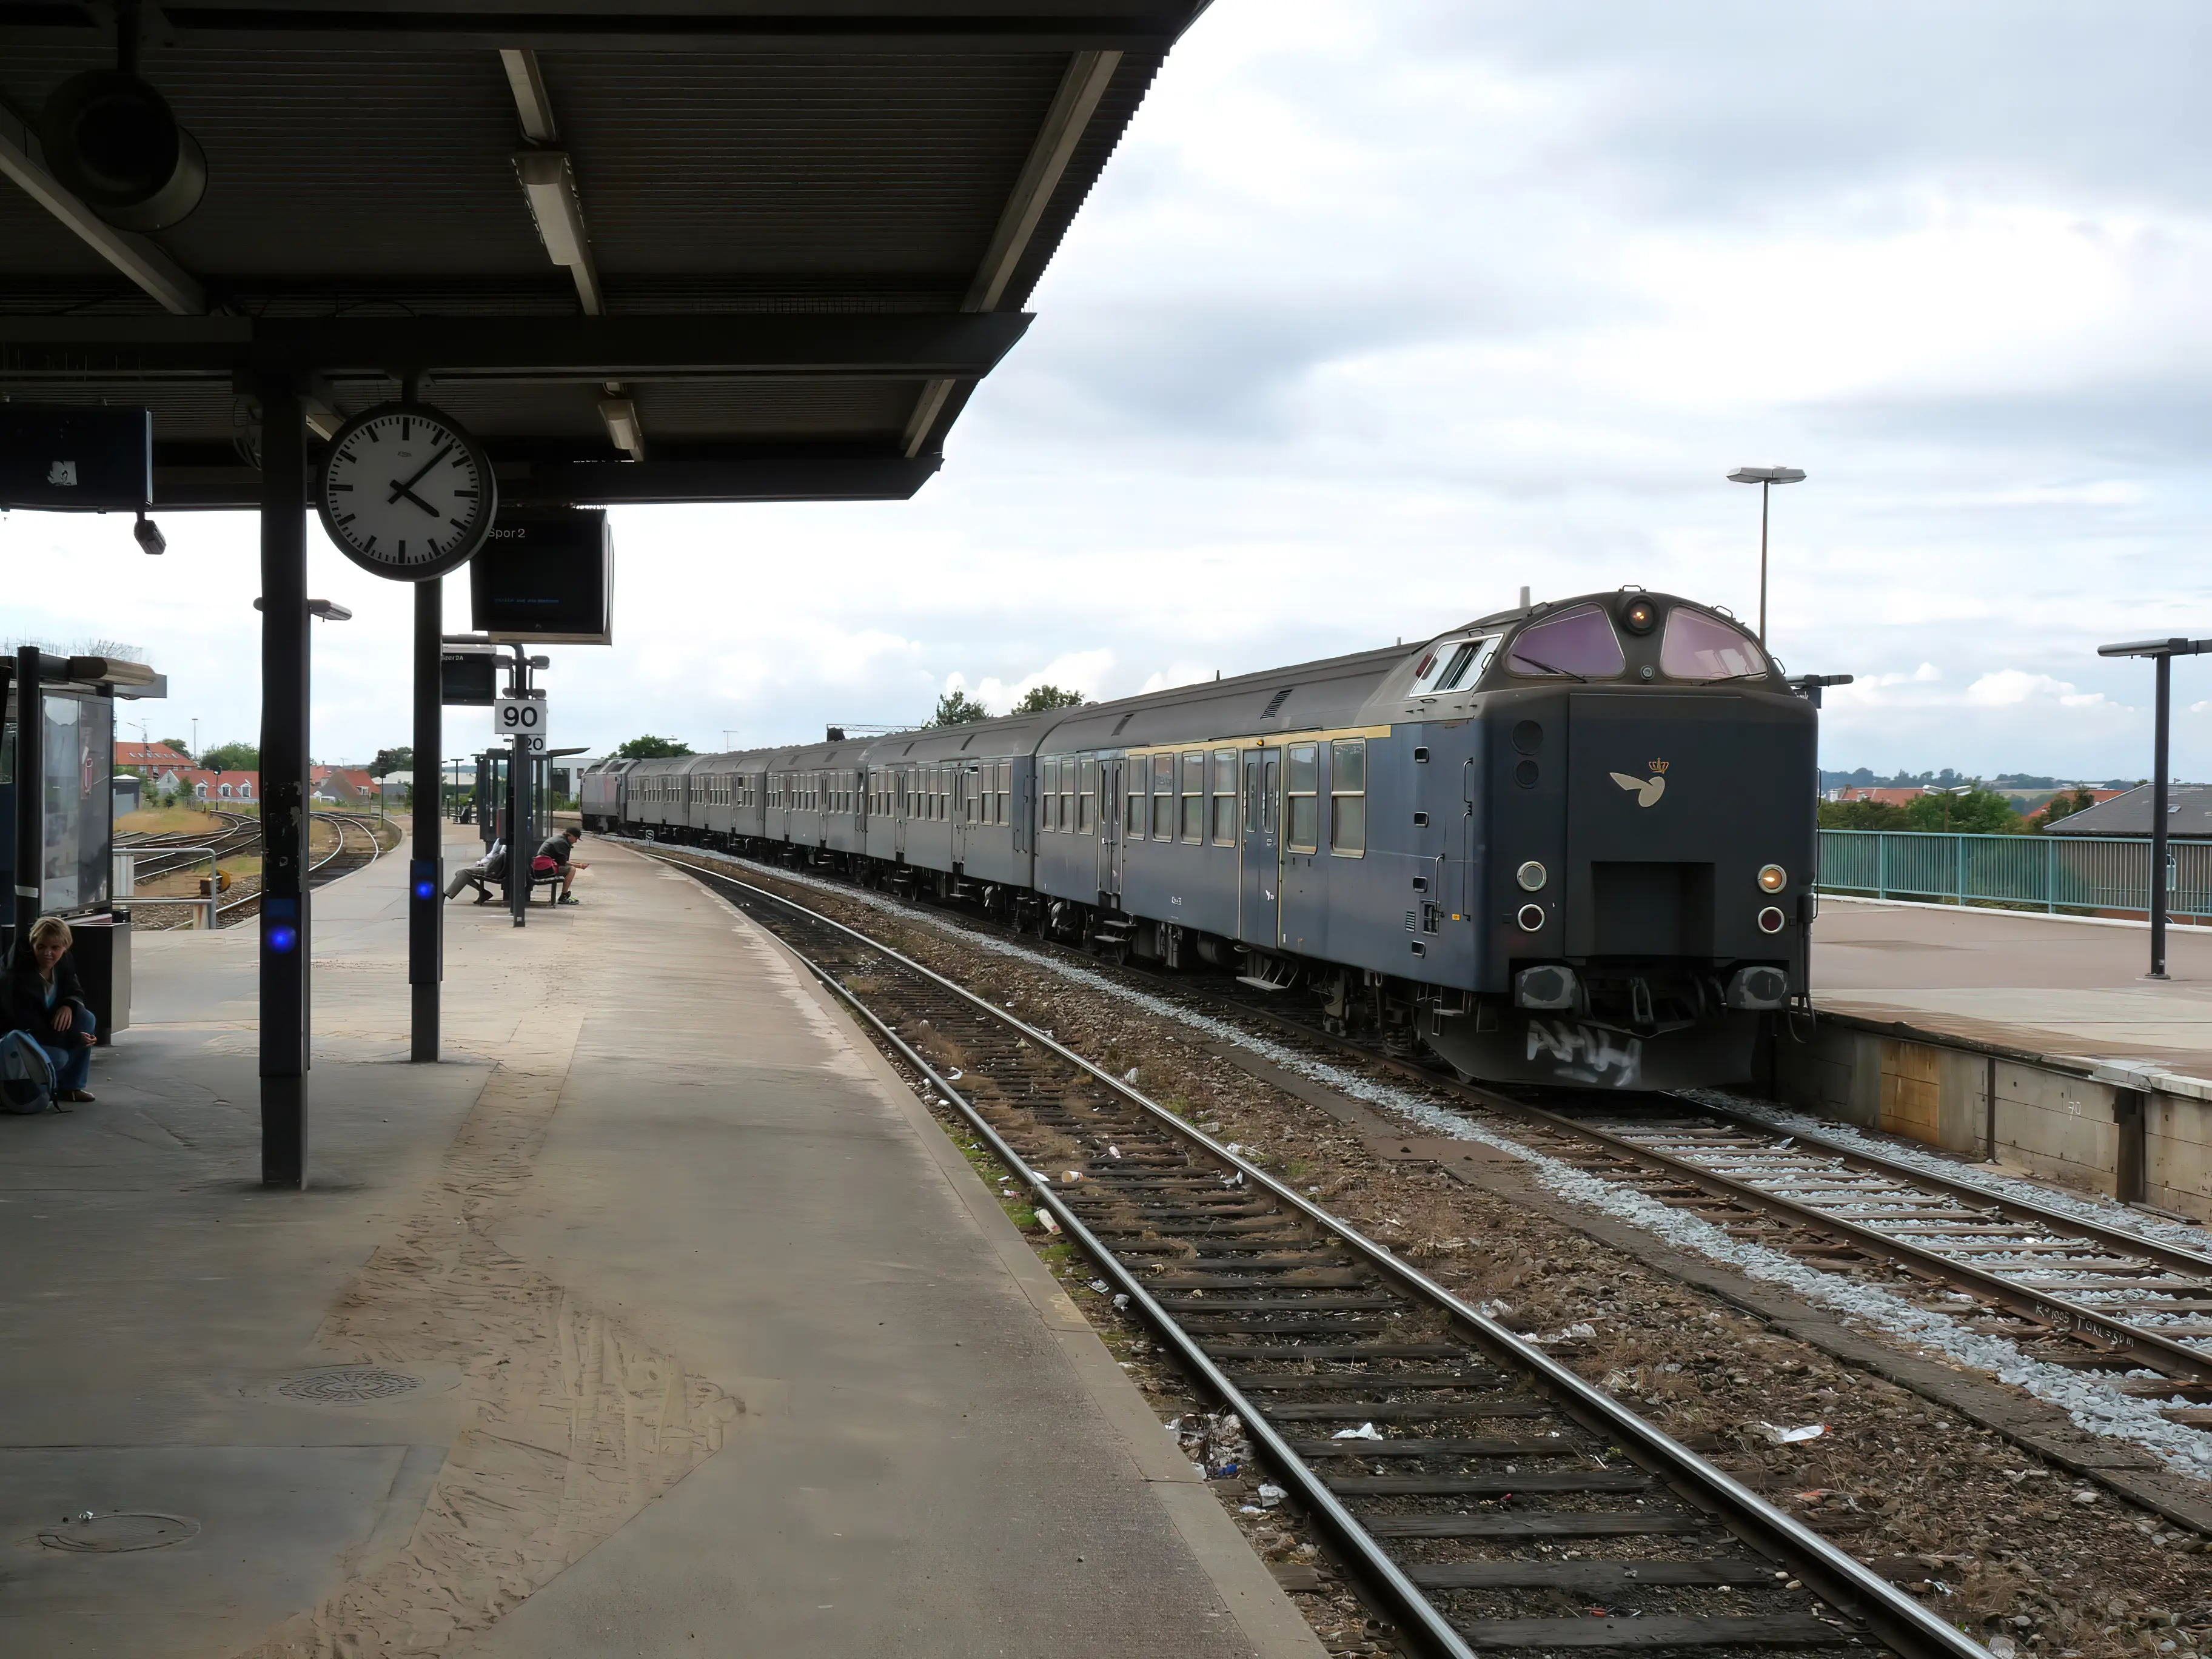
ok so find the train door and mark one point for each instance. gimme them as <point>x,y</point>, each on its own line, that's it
<point>1259,877</point>
<point>963,794</point>
<point>1104,778</point>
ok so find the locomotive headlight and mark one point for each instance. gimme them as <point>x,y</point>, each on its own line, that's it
<point>1773,878</point>
<point>1532,876</point>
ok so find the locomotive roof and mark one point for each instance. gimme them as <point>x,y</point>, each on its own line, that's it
<point>1327,693</point>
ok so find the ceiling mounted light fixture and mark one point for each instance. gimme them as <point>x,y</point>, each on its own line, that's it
<point>111,138</point>
<point>548,184</point>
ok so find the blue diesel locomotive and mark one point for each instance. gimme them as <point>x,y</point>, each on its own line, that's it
<point>1571,843</point>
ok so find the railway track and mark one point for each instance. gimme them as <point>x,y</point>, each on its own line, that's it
<point>1482,1494</point>
<point>356,845</point>
<point>239,833</point>
<point>2069,1290</point>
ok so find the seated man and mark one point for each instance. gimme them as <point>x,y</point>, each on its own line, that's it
<point>554,856</point>
<point>43,998</point>
<point>491,867</point>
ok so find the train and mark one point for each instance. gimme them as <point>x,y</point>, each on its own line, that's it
<point>1566,844</point>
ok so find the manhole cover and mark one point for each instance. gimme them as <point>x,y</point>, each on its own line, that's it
<point>348,1385</point>
<point>112,1534</point>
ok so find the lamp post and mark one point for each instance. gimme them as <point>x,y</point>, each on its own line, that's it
<point>2163,652</point>
<point>1765,477</point>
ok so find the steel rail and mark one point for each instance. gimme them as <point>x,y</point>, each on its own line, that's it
<point>2157,1352</point>
<point>2099,1329</point>
<point>1836,1577</point>
<point>2017,1209</point>
<point>343,823</point>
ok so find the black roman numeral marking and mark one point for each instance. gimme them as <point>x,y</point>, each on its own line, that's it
<point>403,550</point>
<point>347,517</point>
<point>340,486</point>
<point>459,523</point>
<point>369,433</point>
<point>470,494</point>
<point>406,423</point>
<point>369,546</point>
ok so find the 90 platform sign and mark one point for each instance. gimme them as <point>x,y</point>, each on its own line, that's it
<point>520,717</point>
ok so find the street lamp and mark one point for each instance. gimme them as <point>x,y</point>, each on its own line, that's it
<point>2163,652</point>
<point>1765,477</point>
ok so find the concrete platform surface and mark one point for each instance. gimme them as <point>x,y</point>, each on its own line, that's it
<point>658,1319</point>
<point>2036,984</point>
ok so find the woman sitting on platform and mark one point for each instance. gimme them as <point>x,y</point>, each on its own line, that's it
<point>41,996</point>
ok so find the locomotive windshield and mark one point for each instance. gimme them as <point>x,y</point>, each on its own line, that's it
<point>1698,647</point>
<point>1579,643</point>
<point>1453,664</point>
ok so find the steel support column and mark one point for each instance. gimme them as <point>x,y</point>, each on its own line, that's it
<point>426,885</point>
<point>2159,746</point>
<point>286,936</point>
<point>30,794</point>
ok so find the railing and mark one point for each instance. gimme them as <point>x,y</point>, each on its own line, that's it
<point>2079,874</point>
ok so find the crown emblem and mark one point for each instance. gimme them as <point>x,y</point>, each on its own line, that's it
<point>1659,768</point>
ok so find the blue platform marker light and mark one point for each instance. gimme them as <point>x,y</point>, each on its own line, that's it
<point>422,875</point>
<point>279,930</point>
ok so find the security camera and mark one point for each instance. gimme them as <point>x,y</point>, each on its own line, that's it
<point>148,535</point>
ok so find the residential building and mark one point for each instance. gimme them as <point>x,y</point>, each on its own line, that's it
<point>147,759</point>
<point>344,785</point>
<point>2127,812</point>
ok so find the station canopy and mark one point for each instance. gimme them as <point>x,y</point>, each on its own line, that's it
<point>677,250</point>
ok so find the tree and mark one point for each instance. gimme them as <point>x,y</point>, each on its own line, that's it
<point>957,708</point>
<point>1862,815</point>
<point>649,747</point>
<point>389,760</point>
<point>1975,812</point>
<point>176,743</point>
<point>1040,698</point>
<point>232,757</point>
<point>2063,805</point>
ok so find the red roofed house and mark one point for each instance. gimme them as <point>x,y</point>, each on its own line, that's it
<point>152,756</point>
<point>164,769</point>
<point>349,784</point>
<point>218,787</point>
<point>1887,797</point>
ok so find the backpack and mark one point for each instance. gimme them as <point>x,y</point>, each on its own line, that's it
<point>26,1075</point>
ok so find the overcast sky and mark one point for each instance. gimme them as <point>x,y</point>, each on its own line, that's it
<point>1380,313</point>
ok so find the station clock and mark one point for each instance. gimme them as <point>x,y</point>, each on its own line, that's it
<point>406,492</point>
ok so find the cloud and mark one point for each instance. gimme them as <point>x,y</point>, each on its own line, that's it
<point>1378,314</point>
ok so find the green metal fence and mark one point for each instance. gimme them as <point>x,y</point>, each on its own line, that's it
<point>2042,873</point>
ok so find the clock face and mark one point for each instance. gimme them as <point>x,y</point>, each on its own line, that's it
<point>406,492</point>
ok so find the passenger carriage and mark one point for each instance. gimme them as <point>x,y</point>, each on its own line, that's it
<point>1567,844</point>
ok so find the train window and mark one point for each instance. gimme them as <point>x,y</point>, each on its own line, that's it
<point>1164,797</point>
<point>1453,665</point>
<point>1047,788</point>
<point>1347,797</point>
<point>1269,794</point>
<point>1302,780</point>
<point>1579,643</point>
<point>1067,795</point>
<point>1697,647</point>
<point>1006,791</point>
<point>1133,823</point>
<point>1224,796</point>
<point>1252,795</point>
<point>1087,787</point>
<point>1193,796</point>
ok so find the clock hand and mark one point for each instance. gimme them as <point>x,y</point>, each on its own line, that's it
<point>400,489</point>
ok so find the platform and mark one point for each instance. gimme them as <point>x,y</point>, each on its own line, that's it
<point>2032,984</point>
<point>659,1319</point>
